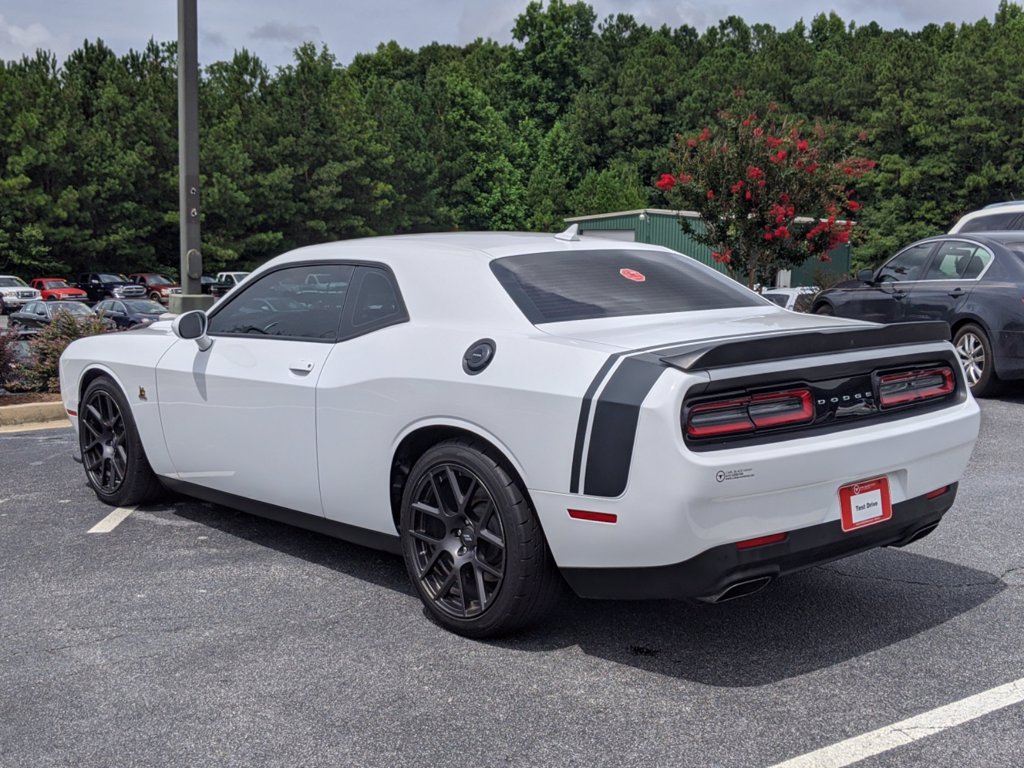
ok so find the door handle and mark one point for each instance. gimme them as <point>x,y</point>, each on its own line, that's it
<point>956,293</point>
<point>300,366</point>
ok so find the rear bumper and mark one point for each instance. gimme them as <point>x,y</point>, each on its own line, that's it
<point>709,575</point>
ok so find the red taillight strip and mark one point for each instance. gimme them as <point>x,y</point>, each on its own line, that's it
<point>775,419</point>
<point>593,517</point>
<point>761,541</point>
<point>913,386</point>
<point>937,492</point>
<point>745,414</point>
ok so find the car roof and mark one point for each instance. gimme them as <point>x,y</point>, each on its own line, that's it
<point>485,246</point>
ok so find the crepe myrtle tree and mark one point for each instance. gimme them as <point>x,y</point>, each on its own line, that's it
<point>768,192</point>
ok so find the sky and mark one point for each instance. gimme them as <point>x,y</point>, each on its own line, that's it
<point>272,30</point>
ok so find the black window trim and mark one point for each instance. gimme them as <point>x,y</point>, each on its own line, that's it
<point>346,312</point>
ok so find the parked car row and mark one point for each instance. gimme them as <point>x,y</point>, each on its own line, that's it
<point>118,313</point>
<point>94,287</point>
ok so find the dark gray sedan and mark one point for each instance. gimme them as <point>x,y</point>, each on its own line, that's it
<point>131,313</point>
<point>974,282</point>
<point>39,314</point>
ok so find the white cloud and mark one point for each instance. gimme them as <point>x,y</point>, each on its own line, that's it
<point>16,41</point>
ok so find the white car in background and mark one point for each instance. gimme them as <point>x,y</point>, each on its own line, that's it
<point>15,293</point>
<point>797,299</point>
<point>511,410</point>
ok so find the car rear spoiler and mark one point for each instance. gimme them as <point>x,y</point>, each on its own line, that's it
<point>802,344</point>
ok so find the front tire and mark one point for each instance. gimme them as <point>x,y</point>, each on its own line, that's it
<point>115,463</point>
<point>975,353</point>
<point>472,543</point>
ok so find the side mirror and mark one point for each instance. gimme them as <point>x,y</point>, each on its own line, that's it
<point>193,325</point>
<point>866,276</point>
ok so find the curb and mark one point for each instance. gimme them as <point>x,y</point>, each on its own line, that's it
<point>31,413</point>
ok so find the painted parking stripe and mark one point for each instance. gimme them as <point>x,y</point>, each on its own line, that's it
<point>908,731</point>
<point>111,521</point>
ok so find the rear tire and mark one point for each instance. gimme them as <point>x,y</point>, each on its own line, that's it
<point>824,309</point>
<point>975,353</point>
<point>115,462</point>
<point>472,543</point>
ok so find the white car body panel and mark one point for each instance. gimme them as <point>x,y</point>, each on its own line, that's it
<point>242,418</point>
<point>213,402</point>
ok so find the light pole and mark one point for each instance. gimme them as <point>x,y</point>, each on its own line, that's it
<point>188,161</point>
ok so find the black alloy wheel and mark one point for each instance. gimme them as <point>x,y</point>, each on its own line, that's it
<point>104,452</point>
<point>458,542</point>
<point>472,543</point>
<point>115,463</point>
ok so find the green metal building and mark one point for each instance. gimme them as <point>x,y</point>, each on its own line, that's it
<point>661,227</point>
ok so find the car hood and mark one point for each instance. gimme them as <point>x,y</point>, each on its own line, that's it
<point>644,331</point>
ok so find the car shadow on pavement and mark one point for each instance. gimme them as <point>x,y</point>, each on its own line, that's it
<point>798,624</point>
<point>369,565</point>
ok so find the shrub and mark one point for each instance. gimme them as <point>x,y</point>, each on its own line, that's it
<point>42,373</point>
<point>8,356</point>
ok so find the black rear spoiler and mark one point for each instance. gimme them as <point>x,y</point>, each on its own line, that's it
<point>803,343</point>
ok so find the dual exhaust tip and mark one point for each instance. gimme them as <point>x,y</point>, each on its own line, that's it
<point>745,587</point>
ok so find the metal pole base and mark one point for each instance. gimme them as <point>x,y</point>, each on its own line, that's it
<point>186,302</point>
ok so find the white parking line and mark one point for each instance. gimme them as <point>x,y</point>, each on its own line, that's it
<point>907,731</point>
<point>111,521</point>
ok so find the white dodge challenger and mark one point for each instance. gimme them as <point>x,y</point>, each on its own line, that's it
<point>509,411</point>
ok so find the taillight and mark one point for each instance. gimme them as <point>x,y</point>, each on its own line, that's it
<point>745,414</point>
<point>914,386</point>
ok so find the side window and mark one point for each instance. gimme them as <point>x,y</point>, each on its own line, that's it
<point>284,303</point>
<point>992,222</point>
<point>103,306</point>
<point>377,302</point>
<point>907,265</point>
<point>953,261</point>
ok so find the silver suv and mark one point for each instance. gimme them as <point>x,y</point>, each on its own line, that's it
<point>998,217</point>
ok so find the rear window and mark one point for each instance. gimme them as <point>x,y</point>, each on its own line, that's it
<point>992,222</point>
<point>584,285</point>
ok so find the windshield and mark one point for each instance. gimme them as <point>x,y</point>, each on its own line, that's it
<point>73,308</point>
<point>12,282</point>
<point>145,307</point>
<point>158,280</point>
<point>107,278</point>
<point>51,284</point>
<point>776,298</point>
<point>583,285</point>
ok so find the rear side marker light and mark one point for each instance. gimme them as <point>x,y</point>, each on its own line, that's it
<point>745,414</point>
<point>71,413</point>
<point>937,492</point>
<point>914,386</point>
<point>761,541</point>
<point>594,517</point>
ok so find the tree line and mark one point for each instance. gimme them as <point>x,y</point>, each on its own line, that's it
<point>577,116</point>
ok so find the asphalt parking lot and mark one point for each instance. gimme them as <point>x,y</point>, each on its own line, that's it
<point>190,634</point>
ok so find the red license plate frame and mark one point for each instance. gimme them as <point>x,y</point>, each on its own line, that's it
<point>864,503</point>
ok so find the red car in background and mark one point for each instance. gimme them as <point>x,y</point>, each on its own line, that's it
<point>57,289</point>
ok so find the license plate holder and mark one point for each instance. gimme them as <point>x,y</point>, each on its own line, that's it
<point>864,503</point>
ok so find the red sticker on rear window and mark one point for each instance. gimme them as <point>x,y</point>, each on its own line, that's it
<point>632,274</point>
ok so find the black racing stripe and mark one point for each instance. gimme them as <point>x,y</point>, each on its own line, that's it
<point>581,426</point>
<point>616,416</point>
